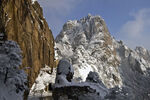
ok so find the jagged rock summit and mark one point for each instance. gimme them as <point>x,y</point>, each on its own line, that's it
<point>89,46</point>
<point>23,22</point>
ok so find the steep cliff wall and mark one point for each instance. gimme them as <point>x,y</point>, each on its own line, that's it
<point>23,22</point>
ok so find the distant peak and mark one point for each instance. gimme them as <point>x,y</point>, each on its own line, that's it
<point>90,17</point>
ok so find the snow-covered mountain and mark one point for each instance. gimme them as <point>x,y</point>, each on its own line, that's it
<point>89,46</point>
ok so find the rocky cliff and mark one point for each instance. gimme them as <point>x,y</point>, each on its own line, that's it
<point>23,22</point>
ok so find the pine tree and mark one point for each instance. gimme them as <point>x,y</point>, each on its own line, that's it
<point>11,76</point>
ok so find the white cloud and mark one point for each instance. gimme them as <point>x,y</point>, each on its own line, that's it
<point>59,6</point>
<point>137,31</point>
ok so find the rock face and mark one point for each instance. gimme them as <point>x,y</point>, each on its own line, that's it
<point>89,47</point>
<point>23,22</point>
<point>64,73</point>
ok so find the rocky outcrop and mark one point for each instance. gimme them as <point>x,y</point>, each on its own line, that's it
<point>64,73</point>
<point>66,89</point>
<point>23,22</point>
<point>143,53</point>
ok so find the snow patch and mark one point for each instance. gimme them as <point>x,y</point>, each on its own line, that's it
<point>44,79</point>
<point>33,1</point>
<point>84,71</point>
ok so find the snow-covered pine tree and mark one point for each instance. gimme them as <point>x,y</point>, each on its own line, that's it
<point>12,79</point>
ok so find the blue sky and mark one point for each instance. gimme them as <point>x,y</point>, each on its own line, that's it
<point>127,20</point>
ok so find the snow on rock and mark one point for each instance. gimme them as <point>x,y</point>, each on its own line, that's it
<point>44,79</point>
<point>13,80</point>
<point>84,71</point>
<point>139,59</point>
<point>33,1</point>
<point>65,73</point>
